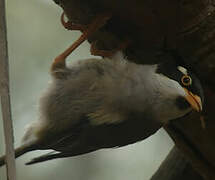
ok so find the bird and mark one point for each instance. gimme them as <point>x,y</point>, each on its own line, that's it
<point>99,103</point>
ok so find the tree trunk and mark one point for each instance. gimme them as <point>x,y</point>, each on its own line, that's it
<point>185,25</point>
<point>176,167</point>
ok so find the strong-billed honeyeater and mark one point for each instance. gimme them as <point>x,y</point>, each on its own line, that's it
<point>104,103</point>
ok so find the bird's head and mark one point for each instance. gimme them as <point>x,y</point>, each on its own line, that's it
<point>180,89</point>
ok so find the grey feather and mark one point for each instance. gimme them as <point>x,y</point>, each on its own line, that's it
<point>102,103</point>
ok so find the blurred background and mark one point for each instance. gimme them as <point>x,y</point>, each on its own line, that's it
<point>35,38</point>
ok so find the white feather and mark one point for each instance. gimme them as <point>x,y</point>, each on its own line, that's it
<point>183,70</point>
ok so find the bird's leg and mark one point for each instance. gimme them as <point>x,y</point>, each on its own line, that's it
<point>94,51</point>
<point>108,53</point>
<point>97,23</point>
<point>72,26</point>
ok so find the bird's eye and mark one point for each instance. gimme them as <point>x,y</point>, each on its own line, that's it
<point>186,80</point>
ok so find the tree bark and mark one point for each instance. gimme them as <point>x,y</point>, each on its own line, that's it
<point>176,167</point>
<point>185,25</point>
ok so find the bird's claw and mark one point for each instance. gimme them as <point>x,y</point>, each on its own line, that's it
<point>70,25</point>
<point>87,31</point>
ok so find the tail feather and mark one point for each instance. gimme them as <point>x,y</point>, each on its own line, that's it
<point>48,156</point>
<point>18,152</point>
<point>56,155</point>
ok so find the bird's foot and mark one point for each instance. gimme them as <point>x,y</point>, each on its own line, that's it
<point>70,25</point>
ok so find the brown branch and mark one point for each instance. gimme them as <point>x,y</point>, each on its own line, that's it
<point>193,155</point>
<point>176,167</point>
<point>5,96</point>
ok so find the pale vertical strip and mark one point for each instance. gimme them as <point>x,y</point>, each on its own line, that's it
<point>5,96</point>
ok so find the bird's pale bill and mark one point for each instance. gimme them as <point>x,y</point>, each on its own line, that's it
<point>193,100</point>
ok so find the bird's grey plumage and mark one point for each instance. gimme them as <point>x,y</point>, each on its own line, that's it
<point>93,98</point>
<point>102,103</point>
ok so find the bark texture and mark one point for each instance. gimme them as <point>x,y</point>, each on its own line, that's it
<point>176,167</point>
<point>152,25</point>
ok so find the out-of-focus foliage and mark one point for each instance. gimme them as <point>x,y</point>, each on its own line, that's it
<point>35,37</point>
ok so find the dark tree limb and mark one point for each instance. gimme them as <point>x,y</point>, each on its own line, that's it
<point>176,167</point>
<point>5,96</point>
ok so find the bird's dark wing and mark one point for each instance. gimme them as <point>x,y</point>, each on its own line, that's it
<point>88,136</point>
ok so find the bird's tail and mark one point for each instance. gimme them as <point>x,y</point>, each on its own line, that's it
<point>18,152</point>
<point>57,155</point>
<point>49,156</point>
